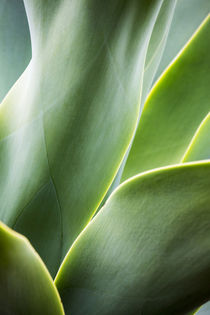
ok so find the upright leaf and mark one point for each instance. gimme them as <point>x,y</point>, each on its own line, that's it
<point>174,108</point>
<point>147,250</point>
<point>153,57</point>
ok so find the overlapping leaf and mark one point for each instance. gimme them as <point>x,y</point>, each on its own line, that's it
<point>25,284</point>
<point>177,38</point>
<point>146,249</point>
<point>174,109</point>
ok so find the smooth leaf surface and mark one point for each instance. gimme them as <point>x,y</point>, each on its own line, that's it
<point>199,148</point>
<point>67,122</point>
<point>25,284</point>
<point>188,15</point>
<point>145,250</point>
<point>15,52</point>
<point>174,109</point>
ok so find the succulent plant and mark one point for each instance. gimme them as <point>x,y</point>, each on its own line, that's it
<point>104,157</point>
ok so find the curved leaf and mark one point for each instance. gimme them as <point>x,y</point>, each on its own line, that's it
<point>199,148</point>
<point>25,284</point>
<point>15,52</point>
<point>69,119</point>
<point>145,249</point>
<point>174,108</point>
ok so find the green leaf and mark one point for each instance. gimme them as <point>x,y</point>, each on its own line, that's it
<point>67,123</point>
<point>25,284</point>
<point>199,148</point>
<point>153,57</point>
<point>174,108</point>
<point>15,52</point>
<point>188,15</point>
<point>146,249</point>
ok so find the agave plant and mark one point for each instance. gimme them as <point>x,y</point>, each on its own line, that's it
<point>104,157</point>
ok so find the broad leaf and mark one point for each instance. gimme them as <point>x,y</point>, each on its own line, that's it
<point>25,284</point>
<point>145,250</point>
<point>15,52</point>
<point>174,109</point>
<point>199,148</point>
<point>66,124</point>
